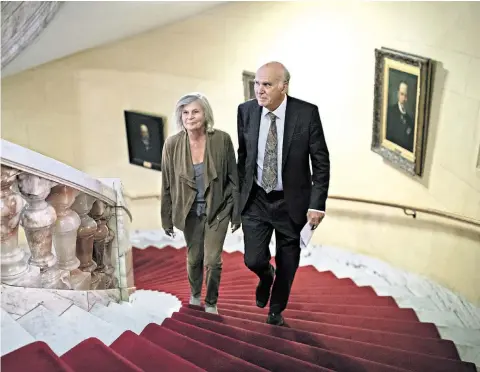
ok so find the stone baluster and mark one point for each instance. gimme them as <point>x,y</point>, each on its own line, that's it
<point>100,213</point>
<point>13,263</point>
<point>107,259</point>
<point>65,230</point>
<point>65,235</point>
<point>85,234</point>
<point>37,219</point>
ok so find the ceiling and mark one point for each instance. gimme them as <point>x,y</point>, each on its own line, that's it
<point>81,25</point>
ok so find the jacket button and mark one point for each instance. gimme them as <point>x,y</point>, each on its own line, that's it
<point>218,218</point>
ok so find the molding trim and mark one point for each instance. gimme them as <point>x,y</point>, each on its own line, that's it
<point>22,23</point>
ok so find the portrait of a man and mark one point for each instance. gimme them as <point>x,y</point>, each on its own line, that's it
<point>402,96</point>
<point>145,139</point>
<point>400,125</point>
<point>248,85</point>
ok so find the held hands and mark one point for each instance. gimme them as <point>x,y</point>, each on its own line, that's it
<point>170,232</point>
<point>314,218</point>
<point>235,227</point>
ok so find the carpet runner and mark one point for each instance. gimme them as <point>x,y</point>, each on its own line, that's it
<point>331,325</point>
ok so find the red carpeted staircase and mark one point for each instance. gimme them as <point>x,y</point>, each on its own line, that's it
<point>331,325</point>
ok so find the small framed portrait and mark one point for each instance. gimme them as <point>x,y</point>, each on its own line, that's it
<point>145,139</point>
<point>248,85</point>
<point>402,97</point>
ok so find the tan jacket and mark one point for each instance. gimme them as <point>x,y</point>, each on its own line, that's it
<point>178,180</point>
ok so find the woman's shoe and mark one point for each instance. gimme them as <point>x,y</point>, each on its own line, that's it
<point>211,309</point>
<point>195,301</point>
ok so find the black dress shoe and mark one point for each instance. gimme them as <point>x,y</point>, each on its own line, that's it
<point>262,293</point>
<point>275,319</point>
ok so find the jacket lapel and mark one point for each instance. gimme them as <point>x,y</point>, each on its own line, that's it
<point>185,165</point>
<point>210,173</point>
<point>255,129</point>
<point>291,117</point>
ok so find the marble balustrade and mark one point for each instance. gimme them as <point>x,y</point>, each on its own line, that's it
<point>73,240</point>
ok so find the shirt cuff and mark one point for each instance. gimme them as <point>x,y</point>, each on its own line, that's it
<point>316,210</point>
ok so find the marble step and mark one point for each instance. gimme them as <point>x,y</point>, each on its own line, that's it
<point>92,325</point>
<point>58,333</point>
<point>154,302</point>
<point>13,336</point>
<point>440,318</point>
<point>460,336</point>
<point>18,301</point>
<point>469,354</point>
<point>139,315</point>
<point>115,318</point>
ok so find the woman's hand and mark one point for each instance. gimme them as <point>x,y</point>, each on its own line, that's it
<point>235,227</point>
<point>170,232</point>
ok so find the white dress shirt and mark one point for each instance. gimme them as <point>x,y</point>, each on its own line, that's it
<point>262,142</point>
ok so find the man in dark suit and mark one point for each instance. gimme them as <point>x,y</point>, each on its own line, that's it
<point>400,125</point>
<point>278,136</point>
<point>147,150</point>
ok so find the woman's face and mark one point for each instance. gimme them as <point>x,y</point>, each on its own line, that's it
<point>193,117</point>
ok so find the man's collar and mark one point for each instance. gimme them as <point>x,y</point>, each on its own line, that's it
<point>280,111</point>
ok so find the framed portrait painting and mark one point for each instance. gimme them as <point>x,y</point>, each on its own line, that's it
<point>248,85</point>
<point>145,139</point>
<point>402,96</point>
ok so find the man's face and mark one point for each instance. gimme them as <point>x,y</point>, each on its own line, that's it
<point>402,94</point>
<point>270,87</point>
<point>144,131</point>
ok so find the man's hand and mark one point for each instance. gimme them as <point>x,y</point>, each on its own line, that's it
<point>314,218</point>
<point>170,232</point>
<point>235,227</point>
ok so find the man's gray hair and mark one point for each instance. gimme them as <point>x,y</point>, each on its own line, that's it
<point>286,75</point>
<point>186,100</point>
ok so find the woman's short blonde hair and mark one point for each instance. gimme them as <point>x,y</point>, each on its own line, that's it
<point>186,100</point>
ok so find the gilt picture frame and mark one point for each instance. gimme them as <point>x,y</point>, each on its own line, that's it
<point>401,110</point>
<point>248,85</point>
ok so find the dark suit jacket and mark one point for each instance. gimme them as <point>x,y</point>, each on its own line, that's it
<point>400,132</point>
<point>303,141</point>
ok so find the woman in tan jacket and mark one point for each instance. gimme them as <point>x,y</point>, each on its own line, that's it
<point>200,193</point>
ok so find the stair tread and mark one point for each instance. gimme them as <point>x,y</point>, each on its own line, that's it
<point>138,315</point>
<point>37,356</point>
<point>436,347</point>
<point>255,354</point>
<point>13,336</point>
<point>45,326</point>
<point>343,355</point>
<point>201,355</point>
<point>92,325</point>
<point>368,321</point>
<point>149,356</point>
<point>92,352</point>
<point>117,319</point>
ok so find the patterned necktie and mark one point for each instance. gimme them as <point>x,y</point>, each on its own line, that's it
<point>270,162</point>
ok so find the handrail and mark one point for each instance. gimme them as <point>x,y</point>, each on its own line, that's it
<point>410,210</point>
<point>27,160</point>
<point>407,209</point>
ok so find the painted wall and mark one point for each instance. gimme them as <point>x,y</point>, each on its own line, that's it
<point>72,110</point>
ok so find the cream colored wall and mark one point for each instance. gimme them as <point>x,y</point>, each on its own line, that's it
<point>72,110</point>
